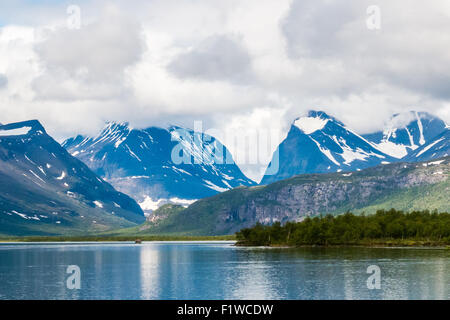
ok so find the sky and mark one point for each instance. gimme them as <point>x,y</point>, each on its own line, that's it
<point>240,67</point>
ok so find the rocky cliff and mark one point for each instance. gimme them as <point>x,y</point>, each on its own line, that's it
<point>404,186</point>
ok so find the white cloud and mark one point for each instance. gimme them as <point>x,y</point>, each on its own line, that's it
<point>88,63</point>
<point>3,81</point>
<point>219,57</point>
<point>252,136</point>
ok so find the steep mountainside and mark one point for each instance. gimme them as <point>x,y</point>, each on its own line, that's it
<point>405,132</point>
<point>44,190</point>
<point>319,143</point>
<point>403,186</point>
<point>156,163</point>
<point>435,148</point>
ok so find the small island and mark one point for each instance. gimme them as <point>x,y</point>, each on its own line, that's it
<point>384,228</point>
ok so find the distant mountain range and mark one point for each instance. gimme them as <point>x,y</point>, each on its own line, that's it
<point>44,190</point>
<point>437,147</point>
<point>404,186</point>
<point>140,162</point>
<point>319,143</point>
<point>405,132</point>
<point>93,184</point>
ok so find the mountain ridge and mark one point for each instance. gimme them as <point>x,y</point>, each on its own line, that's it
<point>318,143</point>
<point>437,147</point>
<point>143,162</point>
<point>401,185</point>
<point>43,189</point>
<point>405,132</point>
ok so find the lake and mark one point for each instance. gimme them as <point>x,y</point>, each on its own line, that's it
<point>219,270</point>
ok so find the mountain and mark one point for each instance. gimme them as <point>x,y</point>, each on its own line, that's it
<point>44,190</point>
<point>405,132</point>
<point>403,186</point>
<point>319,143</point>
<point>435,148</point>
<point>157,165</point>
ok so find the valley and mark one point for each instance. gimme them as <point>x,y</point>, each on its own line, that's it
<point>103,185</point>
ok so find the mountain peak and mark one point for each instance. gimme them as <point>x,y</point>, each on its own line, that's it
<point>314,121</point>
<point>322,144</point>
<point>113,130</point>
<point>405,132</point>
<point>57,191</point>
<point>22,128</point>
<point>319,114</point>
<point>403,119</point>
<point>153,163</point>
<point>113,126</point>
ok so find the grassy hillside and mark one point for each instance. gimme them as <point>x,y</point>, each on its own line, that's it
<point>408,187</point>
<point>402,186</point>
<point>431,197</point>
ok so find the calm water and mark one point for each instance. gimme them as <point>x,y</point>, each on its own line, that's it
<point>218,270</point>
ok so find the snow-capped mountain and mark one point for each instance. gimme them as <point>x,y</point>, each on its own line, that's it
<point>436,148</point>
<point>318,143</point>
<point>406,132</point>
<point>157,165</point>
<point>44,190</point>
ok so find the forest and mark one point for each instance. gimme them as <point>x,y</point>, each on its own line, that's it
<point>388,227</point>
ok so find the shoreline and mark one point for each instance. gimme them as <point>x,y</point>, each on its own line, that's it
<point>104,239</point>
<point>374,246</point>
<point>128,240</point>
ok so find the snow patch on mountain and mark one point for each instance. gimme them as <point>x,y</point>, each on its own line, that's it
<point>349,155</point>
<point>326,152</point>
<point>320,143</point>
<point>161,163</point>
<point>310,124</point>
<point>98,204</point>
<point>435,163</point>
<point>420,125</point>
<point>211,185</point>
<point>428,147</point>
<point>148,204</point>
<point>405,132</point>
<point>36,175</point>
<point>15,132</point>
<point>51,180</point>
<point>182,202</point>
<point>62,176</point>
<point>394,150</point>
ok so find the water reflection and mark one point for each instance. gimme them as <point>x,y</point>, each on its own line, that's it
<point>191,270</point>
<point>149,272</point>
<point>440,280</point>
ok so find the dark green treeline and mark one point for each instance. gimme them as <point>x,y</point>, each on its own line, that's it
<point>348,229</point>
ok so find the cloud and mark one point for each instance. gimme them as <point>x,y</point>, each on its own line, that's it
<point>313,28</point>
<point>219,57</point>
<point>336,43</point>
<point>251,137</point>
<point>235,65</point>
<point>90,62</point>
<point>3,81</point>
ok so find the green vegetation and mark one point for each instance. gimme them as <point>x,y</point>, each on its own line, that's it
<point>421,198</point>
<point>383,228</point>
<point>164,215</point>
<point>403,186</point>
